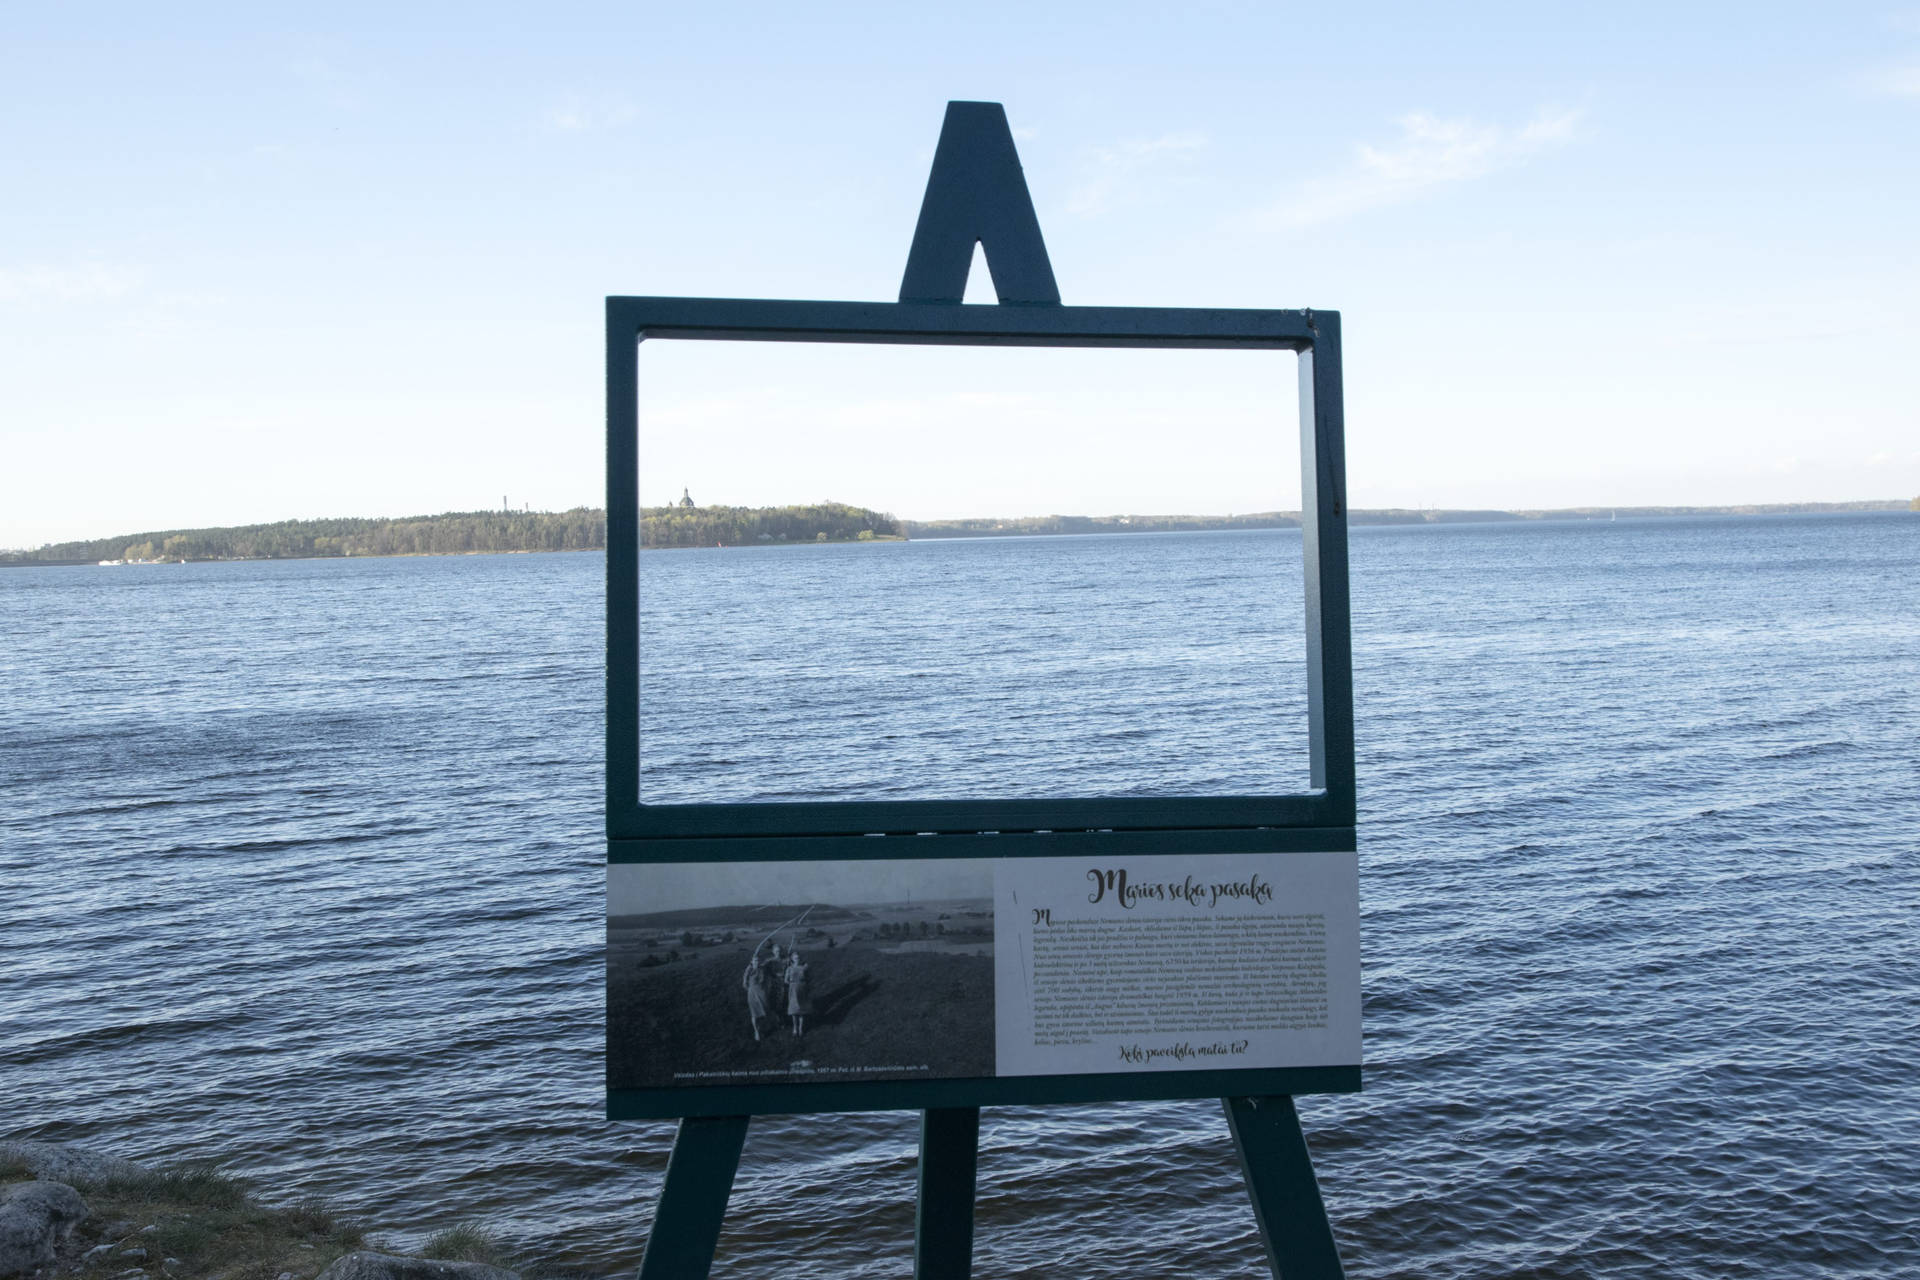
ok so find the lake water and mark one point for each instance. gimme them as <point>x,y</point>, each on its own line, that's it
<point>301,869</point>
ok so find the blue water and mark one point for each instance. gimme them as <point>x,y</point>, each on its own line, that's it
<point>1052,666</point>
<point>300,868</point>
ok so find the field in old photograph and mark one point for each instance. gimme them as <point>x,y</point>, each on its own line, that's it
<point>898,990</point>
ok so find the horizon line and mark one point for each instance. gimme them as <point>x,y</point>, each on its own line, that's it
<point>1525,512</point>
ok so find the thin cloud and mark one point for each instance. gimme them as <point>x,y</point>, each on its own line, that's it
<point>1110,171</point>
<point>86,282</point>
<point>1430,152</point>
<point>1895,82</point>
<point>328,81</point>
<point>577,113</point>
<point>1895,79</point>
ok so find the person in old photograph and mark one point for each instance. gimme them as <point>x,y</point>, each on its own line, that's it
<point>755,982</point>
<point>797,993</point>
<point>777,979</point>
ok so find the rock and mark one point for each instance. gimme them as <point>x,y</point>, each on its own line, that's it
<point>134,1255</point>
<point>96,1253</point>
<point>35,1217</point>
<point>366,1265</point>
<point>64,1162</point>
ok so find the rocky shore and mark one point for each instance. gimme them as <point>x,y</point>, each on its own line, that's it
<point>72,1211</point>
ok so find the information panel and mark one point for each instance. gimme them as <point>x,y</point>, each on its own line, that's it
<point>756,973</point>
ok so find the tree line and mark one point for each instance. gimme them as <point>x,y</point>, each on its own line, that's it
<point>478,532</point>
<point>585,529</point>
<point>452,533</point>
<point>1031,526</point>
<point>684,526</point>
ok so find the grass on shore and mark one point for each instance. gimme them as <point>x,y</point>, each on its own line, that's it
<point>470,1242</point>
<point>206,1220</point>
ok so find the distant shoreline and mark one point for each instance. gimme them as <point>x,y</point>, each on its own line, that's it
<point>584,529</point>
<point>1363,517</point>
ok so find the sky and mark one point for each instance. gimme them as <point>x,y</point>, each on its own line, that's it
<point>260,262</point>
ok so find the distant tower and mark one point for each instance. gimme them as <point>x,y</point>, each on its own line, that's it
<point>686,499</point>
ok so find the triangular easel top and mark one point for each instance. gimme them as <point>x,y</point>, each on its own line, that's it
<point>977,194</point>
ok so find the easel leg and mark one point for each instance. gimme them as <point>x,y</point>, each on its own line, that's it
<point>693,1199</point>
<point>1286,1197</point>
<point>943,1229</point>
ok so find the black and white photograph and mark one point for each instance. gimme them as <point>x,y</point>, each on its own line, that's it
<point>776,972</point>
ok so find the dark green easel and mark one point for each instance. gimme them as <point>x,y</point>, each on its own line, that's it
<point>1266,1133</point>
<point>977,194</point>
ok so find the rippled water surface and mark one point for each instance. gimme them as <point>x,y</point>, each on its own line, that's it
<point>300,868</point>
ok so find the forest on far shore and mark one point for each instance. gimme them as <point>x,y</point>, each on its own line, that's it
<point>477,532</point>
<point>683,526</point>
<point>585,529</point>
<point>454,533</point>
